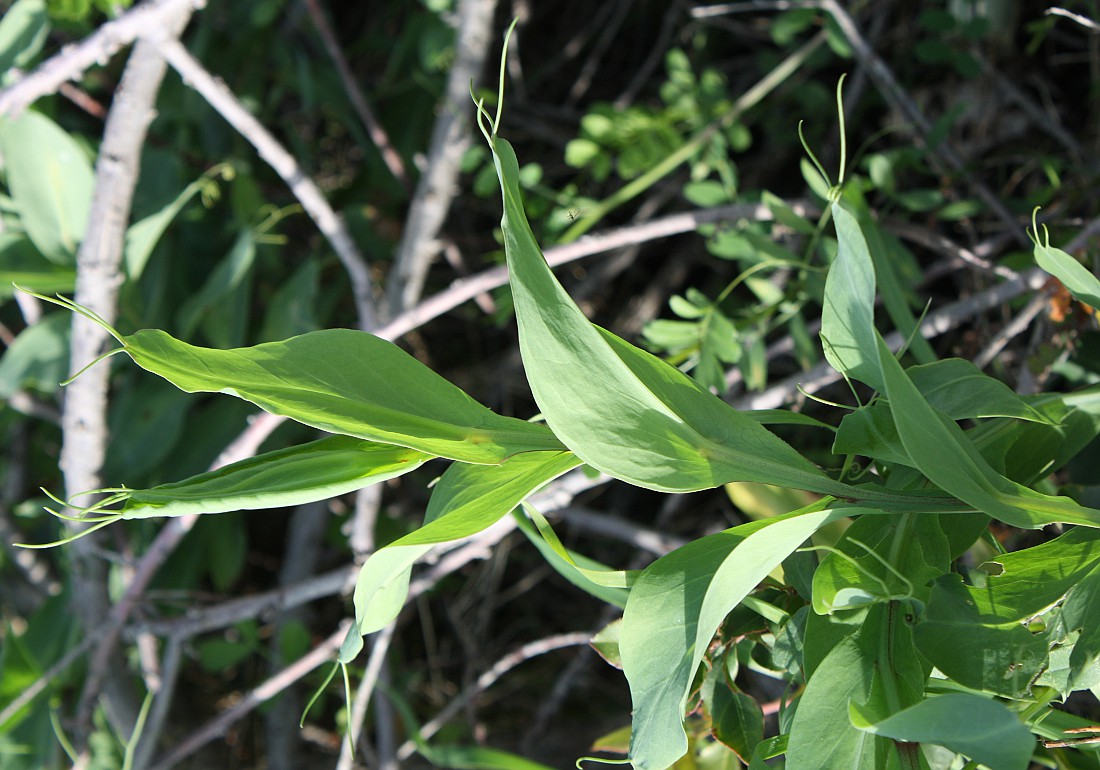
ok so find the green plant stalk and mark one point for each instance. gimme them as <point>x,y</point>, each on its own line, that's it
<point>747,101</point>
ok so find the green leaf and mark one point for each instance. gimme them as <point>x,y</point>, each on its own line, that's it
<point>1081,610</point>
<point>1076,277</point>
<point>736,721</point>
<point>821,734</point>
<point>143,236</point>
<point>622,410</point>
<point>578,569</point>
<point>468,499</point>
<point>50,181</point>
<point>220,306</point>
<point>38,358</point>
<point>943,453</point>
<point>960,390</point>
<point>848,314</point>
<point>979,728</point>
<point>674,608</point>
<point>23,31</point>
<point>348,382</point>
<point>302,474</point>
<point>23,265</point>
<point>976,646</point>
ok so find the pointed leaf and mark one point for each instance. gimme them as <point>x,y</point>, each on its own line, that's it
<point>349,382</point>
<point>302,474</point>
<point>468,499</point>
<point>1076,277</point>
<point>848,313</point>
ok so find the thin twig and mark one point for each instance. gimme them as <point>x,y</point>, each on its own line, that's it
<point>390,156</point>
<point>218,726</point>
<point>84,418</point>
<point>486,680</point>
<point>331,225</point>
<point>96,49</point>
<point>450,137</point>
<point>1016,326</point>
<point>893,92</point>
<point>158,715</point>
<point>466,289</point>
<point>1084,21</point>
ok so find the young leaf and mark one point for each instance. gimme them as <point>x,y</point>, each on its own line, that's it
<point>848,313</point>
<point>468,499</point>
<point>1076,277</point>
<point>302,474</point>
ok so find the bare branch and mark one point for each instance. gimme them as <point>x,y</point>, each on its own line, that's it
<point>450,137</point>
<point>466,289</point>
<point>98,277</point>
<point>390,156</point>
<point>218,726</point>
<point>96,49</point>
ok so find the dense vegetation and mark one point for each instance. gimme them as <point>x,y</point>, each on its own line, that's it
<point>884,556</point>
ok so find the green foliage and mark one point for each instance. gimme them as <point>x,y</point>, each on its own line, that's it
<point>869,581</point>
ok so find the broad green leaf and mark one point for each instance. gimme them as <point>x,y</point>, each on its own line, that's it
<point>674,608</point>
<point>848,314</point>
<point>736,721</point>
<point>979,728</point>
<point>302,474</point>
<point>821,734</point>
<point>348,382</point>
<point>50,181</point>
<point>1081,283</point>
<point>23,30</point>
<point>961,391</point>
<point>468,499</point>
<point>23,265</point>
<point>151,414</point>
<point>1081,610</point>
<point>975,647</point>
<point>38,358</point>
<point>620,409</point>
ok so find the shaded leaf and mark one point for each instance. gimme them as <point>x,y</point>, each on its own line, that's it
<point>467,499</point>
<point>50,181</point>
<point>979,728</point>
